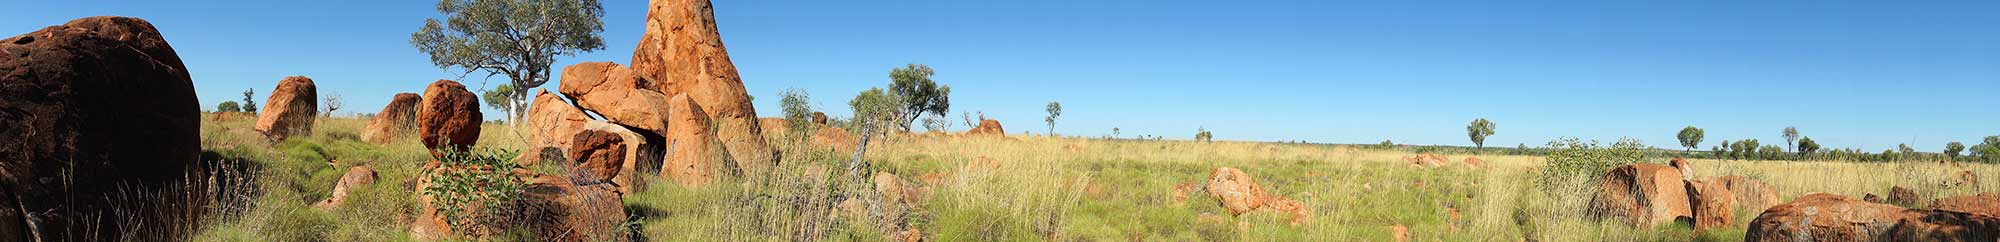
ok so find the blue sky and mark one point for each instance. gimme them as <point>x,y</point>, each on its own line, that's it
<point>1860,74</point>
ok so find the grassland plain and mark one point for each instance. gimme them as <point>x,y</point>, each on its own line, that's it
<point>1042,188</point>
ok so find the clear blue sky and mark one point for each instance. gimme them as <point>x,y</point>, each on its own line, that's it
<point>1862,74</point>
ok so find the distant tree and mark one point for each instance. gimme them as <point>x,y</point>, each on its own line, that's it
<point>1478,130</point>
<point>1952,149</point>
<point>331,103</point>
<point>228,107</point>
<point>1989,150</point>
<point>1114,132</point>
<point>1807,146</point>
<point>518,39</point>
<point>1386,144</point>
<point>796,105</point>
<point>1202,134</point>
<point>1055,110</point>
<point>918,93</point>
<point>502,97</point>
<point>1691,137</point>
<point>875,108</point>
<point>1791,137</point>
<point>249,105</point>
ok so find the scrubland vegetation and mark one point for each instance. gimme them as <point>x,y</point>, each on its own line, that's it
<point>1034,188</point>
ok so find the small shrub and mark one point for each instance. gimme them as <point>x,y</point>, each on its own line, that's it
<point>1573,165</point>
<point>469,179</point>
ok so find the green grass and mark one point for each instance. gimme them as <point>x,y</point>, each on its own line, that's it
<point>1044,188</point>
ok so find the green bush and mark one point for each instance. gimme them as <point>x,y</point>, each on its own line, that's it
<point>1573,165</point>
<point>472,178</point>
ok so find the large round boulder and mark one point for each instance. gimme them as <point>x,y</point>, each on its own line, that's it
<point>1642,195</point>
<point>94,114</point>
<point>553,122</point>
<point>682,53</point>
<point>1752,195</point>
<point>290,110</point>
<point>1711,203</point>
<point>395,120</point>
<point>449,117</point>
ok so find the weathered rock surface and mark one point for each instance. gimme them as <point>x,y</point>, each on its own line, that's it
<point>395,120</point>
<point>988,127</point>
<point>1985,203</point>
<point>693,153</point>
<point>835,138</point>
<point>642,153</point>
<point>448,117</point>
<point>819,118</point>
<point>356,177</point>
<point>1687,170</point>
<point>290,109</point>
<point>553,122</point>
<point>596,156</point>
<point>1901,196</point>
<point>682,52</point>
<point>1752,195</point>
<point>616,93</point>
<point>558,209</point>
<point>1238,192</point>
<point>1711,203</point>
<point>1643,195</point>
<point>1827,217</point>
<point>89,110</point>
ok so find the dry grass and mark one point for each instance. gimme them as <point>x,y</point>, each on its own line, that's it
<point>1043,188</point>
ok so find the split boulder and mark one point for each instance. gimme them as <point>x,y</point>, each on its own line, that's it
<point>1642,195</point>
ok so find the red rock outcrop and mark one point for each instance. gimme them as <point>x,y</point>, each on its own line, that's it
<point>1687,170</point>
<point>1238,192</point>
<point>95,108</point>
<point>1827,217</point>
<point>557,209</point>
<point>835,138</point>
<point>819,118</point>
<point>988,127</point>
<point>682,52</point>
<point>1642,195</point>
<point>693,154</point>
<point>1711,203</point>
<point>397,119</point>
<point>448,117</point>
<point>616,93</point>
<point>596,155</point>
<point>356,177</point>
<point>1751,194</point>
<point>1985,203</point>
<point>1901,196</point>
<point>641,153</point>
<point>553,122</point>
<point>290,110</point>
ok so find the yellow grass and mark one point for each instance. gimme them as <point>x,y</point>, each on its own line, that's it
<point>1073,189</point>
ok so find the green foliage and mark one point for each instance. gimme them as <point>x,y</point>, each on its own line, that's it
<point>249,105</point>
<point>502,97</point>
<point>875,108</point>
<point>1743,149</point>
<point>1055,109</point>
<point>1478,130</point>
<point>515,38</point>
<point>1202,134</point>
<point>1989,150</point>
<point>1807,146</point>
<point>1691,137</point>
<point>228,106</point>
<point>467,179</point>
<point>1791,137</point>
<point>919,95</point>
<point>1573,164</point>
<point>1770,152</point>
<point>1952,149</point>
<point>797,107</point>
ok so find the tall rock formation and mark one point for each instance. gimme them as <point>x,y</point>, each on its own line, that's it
<point>682,53</point>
